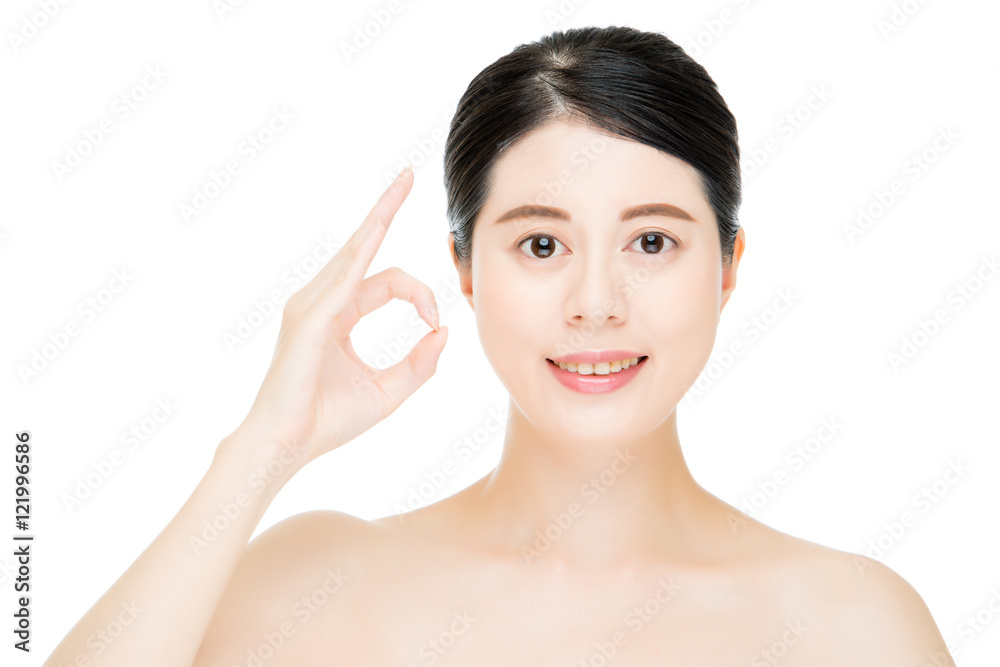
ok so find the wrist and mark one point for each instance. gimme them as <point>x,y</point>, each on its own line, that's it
<point>263,465</point>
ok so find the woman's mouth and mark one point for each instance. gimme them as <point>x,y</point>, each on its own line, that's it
<point>597,378</point>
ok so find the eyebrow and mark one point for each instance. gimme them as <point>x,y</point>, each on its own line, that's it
<point>534,211</point>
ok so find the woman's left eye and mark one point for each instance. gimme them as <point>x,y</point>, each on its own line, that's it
<point>653,240</point>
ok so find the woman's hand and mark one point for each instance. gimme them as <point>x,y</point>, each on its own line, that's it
<point>317,394</point>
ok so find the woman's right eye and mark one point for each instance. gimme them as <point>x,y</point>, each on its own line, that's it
<point>540,246</point>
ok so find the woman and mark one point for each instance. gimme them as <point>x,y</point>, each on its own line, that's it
<point>593,183</point>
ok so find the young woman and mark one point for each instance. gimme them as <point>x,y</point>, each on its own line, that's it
<point>593,183</point>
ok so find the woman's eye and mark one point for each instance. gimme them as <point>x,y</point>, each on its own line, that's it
<point>652,243</point>
<point>540,246</point>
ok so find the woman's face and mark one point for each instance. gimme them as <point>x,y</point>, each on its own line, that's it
<point>653,284</point>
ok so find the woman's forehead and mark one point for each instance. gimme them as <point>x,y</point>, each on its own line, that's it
<point>566,165</point>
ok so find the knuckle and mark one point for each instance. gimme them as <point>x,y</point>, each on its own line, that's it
<point>338,279</point>
<point>395,273</point>
<point>292,306</point>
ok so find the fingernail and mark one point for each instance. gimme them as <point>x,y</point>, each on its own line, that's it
<point>434,316</point>
<point>399,176</point>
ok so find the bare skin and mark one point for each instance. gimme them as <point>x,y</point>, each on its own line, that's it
<point>422,592</point>
<point>591,543</point>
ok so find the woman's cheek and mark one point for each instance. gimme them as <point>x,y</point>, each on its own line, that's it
<point>703,326</point>
<point>503,319</point>
<point>680,318</point>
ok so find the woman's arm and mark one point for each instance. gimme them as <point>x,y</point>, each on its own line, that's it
<point>158,610</point>
<point>317,395</point>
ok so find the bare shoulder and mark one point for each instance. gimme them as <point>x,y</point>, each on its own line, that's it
<point>299,569</point>
<point>863,612</point>
<point>884,618</point>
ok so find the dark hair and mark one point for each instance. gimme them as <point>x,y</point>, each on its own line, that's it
<point>634,84</point>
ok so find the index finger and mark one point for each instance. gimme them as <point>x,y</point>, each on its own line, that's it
<point>352,261</point>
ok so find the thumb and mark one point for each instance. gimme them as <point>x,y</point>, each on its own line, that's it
<point>400,380</point>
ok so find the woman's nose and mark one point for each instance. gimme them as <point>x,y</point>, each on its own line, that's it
<point>597,294</point>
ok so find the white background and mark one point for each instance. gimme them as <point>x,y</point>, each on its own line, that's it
<point>355,123</point>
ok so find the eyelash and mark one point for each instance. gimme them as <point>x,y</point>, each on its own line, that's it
<point>646,233</point>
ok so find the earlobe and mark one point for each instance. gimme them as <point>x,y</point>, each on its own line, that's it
<point>729,272</point>
<point>466,280</point>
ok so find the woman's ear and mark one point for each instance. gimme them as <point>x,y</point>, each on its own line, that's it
<point>729,271</point>
<point>464,277</point>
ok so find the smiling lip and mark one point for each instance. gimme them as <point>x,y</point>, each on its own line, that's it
<point>596,384</point>
<point>595,357</point>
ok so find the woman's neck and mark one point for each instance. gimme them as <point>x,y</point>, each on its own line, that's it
<point>564,504</point>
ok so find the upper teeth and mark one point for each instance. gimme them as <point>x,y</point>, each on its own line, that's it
<point>598,369</point>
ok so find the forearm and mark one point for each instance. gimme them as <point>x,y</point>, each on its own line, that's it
<point>164,602</point>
